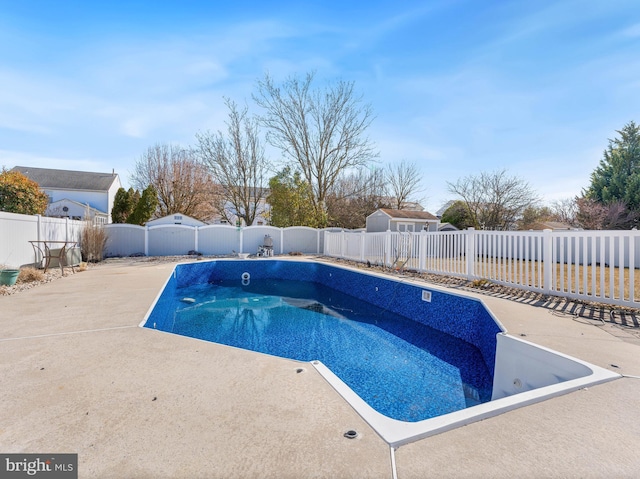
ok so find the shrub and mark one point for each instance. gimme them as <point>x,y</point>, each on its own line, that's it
<point>93,239</point>
<point>29,275</point>
<point>19,194</point>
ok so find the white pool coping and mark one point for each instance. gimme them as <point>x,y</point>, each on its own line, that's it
<point>397,433</point>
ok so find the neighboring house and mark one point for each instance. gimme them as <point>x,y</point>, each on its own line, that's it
<point>261,218</point>
<point>386,219</point>
<point>75,211</point>
<point>176,219</point>
<point>552,225</point>
<point>444,208</point>
<point>97,190</point>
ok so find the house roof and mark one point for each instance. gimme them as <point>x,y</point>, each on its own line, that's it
<point>444,208</point>
<point>68,180</point>
<point>409,214</point>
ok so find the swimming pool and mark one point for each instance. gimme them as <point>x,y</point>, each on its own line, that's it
<point>373,350</point>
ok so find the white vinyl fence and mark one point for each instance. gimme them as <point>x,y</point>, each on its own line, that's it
<point>17,230</point>
<point>588,265</point>
<point>168,240</point>
<point>163,240</point>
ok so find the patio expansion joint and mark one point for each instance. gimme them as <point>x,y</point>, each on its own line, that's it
<point>38,336</point>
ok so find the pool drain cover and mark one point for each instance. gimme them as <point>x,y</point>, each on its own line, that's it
<point>351,434</point>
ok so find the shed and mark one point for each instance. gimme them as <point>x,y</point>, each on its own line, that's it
<point>386,219</point>
<point>176,219</point>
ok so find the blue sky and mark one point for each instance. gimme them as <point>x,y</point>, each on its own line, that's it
<point>458,87</point>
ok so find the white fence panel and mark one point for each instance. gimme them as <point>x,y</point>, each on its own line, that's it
<point>300,239</point>
<point>17,230</point>
<point>253,238</point>
<point>599,266</point>
<point>513,258</point>
<point>57,229</point>
<point>333,244</point>
<point>125,240</point>
<point>15,233</point>
<point>444,253</point>
<point>374,248</point>
<point>218,239</point>
<point>352,245</point>
<point>168,240</point>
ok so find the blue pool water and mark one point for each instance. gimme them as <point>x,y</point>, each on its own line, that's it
<point>390,347</point>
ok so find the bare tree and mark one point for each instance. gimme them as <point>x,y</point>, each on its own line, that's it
<point>321,131</point>
<point>403,181</point>
<point>593,215</point>
<point>355,196</point>
<point>182,183</point>
<point>565,210</point>
<point>495,200</point>
<point>237,160</point>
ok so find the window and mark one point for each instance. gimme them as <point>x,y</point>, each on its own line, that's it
<point>405,227</point>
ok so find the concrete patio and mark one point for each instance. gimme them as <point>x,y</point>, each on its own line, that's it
<point>78,375</point>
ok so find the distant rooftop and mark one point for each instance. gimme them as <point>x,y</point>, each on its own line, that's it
<point>409,214</point>
<point>66,179</point>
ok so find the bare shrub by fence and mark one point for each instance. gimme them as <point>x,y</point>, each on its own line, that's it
<point>93,239</point>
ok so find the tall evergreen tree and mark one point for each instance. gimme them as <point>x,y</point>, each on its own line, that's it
<point>617,177</point>
<point>145,207</point>
<point>123,205</point>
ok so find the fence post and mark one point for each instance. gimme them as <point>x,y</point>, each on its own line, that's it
<point>241,239</point>
<point>196,239</point>
<point>387,248</point>
<point>362,241</point>
<point>281,240</point>
<point>421,251</point>
<point>547,260</point>
<point>470,253</point>
<point>146,240</point>
<point>38,225</point>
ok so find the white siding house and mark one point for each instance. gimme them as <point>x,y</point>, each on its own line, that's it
<point>76,211</point>
<point>97,190</point>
